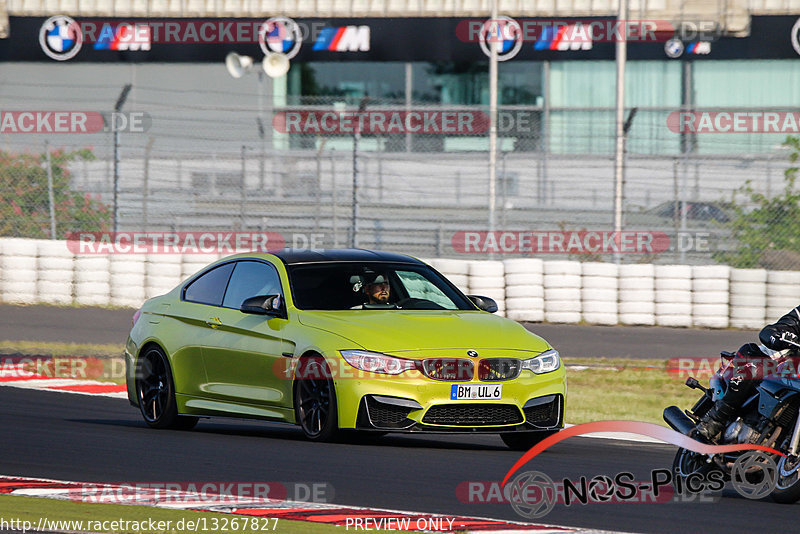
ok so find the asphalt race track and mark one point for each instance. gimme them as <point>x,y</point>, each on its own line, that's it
<point>98,439</point>
<point>73,437</point>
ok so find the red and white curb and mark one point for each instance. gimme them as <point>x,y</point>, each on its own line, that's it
<point>330,514</point>
<point>17,375</point>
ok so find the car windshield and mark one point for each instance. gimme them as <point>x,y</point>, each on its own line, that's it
<point>372,286</point>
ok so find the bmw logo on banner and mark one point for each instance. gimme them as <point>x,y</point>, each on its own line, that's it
<point>280,35</point>
<point>60,38</point>
<point>505,34</point>
<point>796,36</point>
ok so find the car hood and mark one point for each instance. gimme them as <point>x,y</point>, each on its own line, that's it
<point>406,330</point>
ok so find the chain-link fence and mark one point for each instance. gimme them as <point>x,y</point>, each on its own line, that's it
<point>198,167</point>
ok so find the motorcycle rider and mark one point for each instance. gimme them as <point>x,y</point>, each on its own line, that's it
<point>748,371</point>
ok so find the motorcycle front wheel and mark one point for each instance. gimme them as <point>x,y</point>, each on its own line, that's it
<point>687,462</point>
<point>787,490</point>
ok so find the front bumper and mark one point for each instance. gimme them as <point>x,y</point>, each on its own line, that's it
<point>396,404</point>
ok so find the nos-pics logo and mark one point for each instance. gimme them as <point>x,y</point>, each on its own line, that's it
<point>60,38</point>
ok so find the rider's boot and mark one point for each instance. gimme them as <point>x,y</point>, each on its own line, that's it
<point>714,422</point>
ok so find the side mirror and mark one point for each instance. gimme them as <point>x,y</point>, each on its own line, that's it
<point>264,305</point>
<point>483,303</point>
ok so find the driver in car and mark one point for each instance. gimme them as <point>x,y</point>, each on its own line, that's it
<point>374,287</point>
<point>377,290</point>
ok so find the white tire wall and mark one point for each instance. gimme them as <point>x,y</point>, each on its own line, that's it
<point>93,280</point>
<point>128,279</point>
<point>457,271</point>
<point>673,295</point>
<point>599,293</point>
<point>192,263</point>
<point>748,298</point>
<point>783,293</point>
<point>55,268</point>
<point>487,278</point>
<point>162,274</point>
<point>524,289</point>
<point>711,296</point>
<point>562,291</point>
<point>18,271</point>
<point>637,294</point>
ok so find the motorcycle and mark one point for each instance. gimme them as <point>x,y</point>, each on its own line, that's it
<point>768,417</point>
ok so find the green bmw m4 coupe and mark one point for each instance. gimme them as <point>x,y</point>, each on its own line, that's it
<point>338,340</point>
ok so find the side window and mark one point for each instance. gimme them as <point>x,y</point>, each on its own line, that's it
<point>251,278</point>
<point>209,288</point>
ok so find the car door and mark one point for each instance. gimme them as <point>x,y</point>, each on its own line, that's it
<point>244,357</point>
<point>186,324</point>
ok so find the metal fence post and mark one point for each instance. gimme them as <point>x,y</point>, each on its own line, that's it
<point>146,182</point>
<point>334,195</point>
<point>50,196</point>
<point>243,195</point>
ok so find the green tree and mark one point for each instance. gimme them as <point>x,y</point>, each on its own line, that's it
<point>24,201</point>
<point>768,234</point>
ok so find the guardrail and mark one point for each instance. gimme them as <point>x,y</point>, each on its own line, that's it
<point>526,289</point>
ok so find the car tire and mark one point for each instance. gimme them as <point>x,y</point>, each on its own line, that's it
<point>155,392</point>
<point>522,441</point>
<point>315,406</point>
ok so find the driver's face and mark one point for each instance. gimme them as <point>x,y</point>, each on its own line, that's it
<point>378,293</point>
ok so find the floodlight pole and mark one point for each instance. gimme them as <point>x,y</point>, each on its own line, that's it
<point>619,152</point>
<point>123,96</point>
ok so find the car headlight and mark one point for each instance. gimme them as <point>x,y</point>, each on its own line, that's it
<point>546,362</point>
<point>375,362</point>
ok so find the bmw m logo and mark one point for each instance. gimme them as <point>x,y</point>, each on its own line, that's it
<point>60,38</point>
<point>472,354</point>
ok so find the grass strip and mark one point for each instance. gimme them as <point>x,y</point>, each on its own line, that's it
<point>628,389</point>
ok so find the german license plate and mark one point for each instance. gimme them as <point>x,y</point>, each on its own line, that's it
<point>475,391</point>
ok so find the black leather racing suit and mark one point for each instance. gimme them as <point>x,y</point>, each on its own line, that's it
<point>748,367</point>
